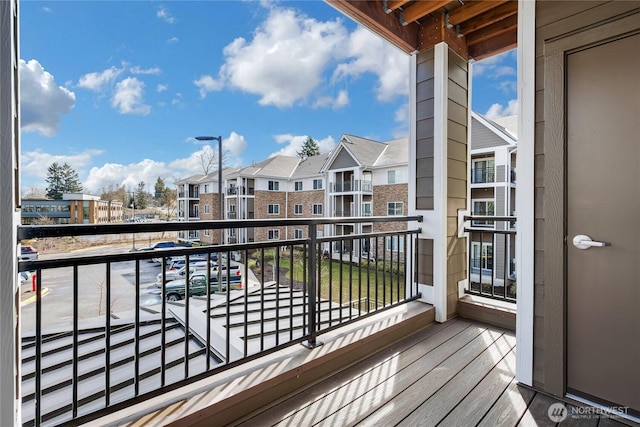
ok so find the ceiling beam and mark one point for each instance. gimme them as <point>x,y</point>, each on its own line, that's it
<point>433,31</point>
<point>391,5</point>
<point>419,9</point>
<point>492,16</point>
<point>371,15</point>
<point>493,30</point>
<point>490,47</point>
<point>472,9</point>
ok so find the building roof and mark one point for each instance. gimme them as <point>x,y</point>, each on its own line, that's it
<point>509,124</point>
<point>310,166</point>
<point>397,152</point>
<point>273,167</point>
<point>365,151</point>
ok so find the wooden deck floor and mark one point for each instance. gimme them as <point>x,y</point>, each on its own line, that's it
<point>459,373</point>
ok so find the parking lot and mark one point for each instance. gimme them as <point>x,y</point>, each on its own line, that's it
<point>57,303</point>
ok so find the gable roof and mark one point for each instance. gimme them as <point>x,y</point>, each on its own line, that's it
<point>273,167</point>
<point>310,166</point>
<point>486,133</point>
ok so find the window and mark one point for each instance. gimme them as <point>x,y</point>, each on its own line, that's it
<point>317,184</point>
<point>232,208</point>
<point>317,209</point>
<point>482,171</point>
<point>481,256</point>
<point>394,177</point>
<point>206,208</point>
<point>297,209</point>
<point>297,233</point>
<point>232,232</point>
<point>273,209</point>
<point>394,243</point>
<point>366,209</point>
<point>483,207</point>
<point>207,233</point>
<point>274,185</point>
<point>273,234</point>
<point>395,208</point>
<point>206,188</point>
<point>298,185</point>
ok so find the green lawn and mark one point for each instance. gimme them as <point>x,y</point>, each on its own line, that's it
<point>358,282</point>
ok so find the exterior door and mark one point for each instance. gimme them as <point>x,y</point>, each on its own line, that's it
<point>603,203</point>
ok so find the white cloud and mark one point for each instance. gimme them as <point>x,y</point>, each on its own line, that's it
<point>235,144</point>
<point>177,99</point>
<point>138,70</point>
<point>114,174</point>
<point>401,117</point>
<point>128,97</point>
<point>47,9</point>
<point>285,60</point>
<point>206,84</point>
<point>41,100</point>
<point>497,110</point>
<point>341,100</point>
<point>172,40</point>
<point>161,88</point>
<point>164,14</point>
<point>34,164</point>
<point>293,144</point>
<point>373,55</point>
<point>492,67</point>
<point>97,80</point>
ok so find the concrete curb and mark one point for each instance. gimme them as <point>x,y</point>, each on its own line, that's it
<point>34,297</point>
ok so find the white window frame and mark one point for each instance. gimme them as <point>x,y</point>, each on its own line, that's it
<point>489,162</point>
<point>395,177</point>
<point>298,233</point>
<point>484,257</point>
<point>298,186</point>
<point>394,244</point>
<point>207,233</point>
<point>273,209</point>
<point>206,208</point>
<point>273,234</point>
<point>318,209</point>
<point>392,208</point>
<point>474,211</point>
<point>274,185</point>
<point>370,210</point>
<point>317,184</point>
<point>297,209</point>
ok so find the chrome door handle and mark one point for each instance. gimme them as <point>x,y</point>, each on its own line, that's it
<point>582,241</point>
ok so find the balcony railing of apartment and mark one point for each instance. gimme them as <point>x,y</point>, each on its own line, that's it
<point>78,366</point>
<point>351,186</point>
<point>232,191</point>
<point>181,195</point>
<point>483,175</point>
<point>342,213</point>
<point>492,269</point>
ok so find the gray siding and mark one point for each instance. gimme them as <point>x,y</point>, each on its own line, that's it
<point>424,130</point>
<point>343,160</point>
<point>457,150</point>
<point>481,137</point>
<point>501,173</point>
<point>554,19</point>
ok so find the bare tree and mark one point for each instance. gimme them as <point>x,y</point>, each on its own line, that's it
<point>209,159</point>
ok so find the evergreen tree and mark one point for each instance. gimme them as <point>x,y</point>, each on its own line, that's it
<point>62,179</point>
<point>141,196</point>
<point>159,187</point>
<point>309,148</point>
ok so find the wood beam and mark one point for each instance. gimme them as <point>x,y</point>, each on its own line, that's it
<point>371,15</point>
<point>419,9</point>
<point>471,10</point>
<point>392,5</point>
<point>493,30</point>
<point>492,16</point>
<point>494,46</point>
<point>433,31</point>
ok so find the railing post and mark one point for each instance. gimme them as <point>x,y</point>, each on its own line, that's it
<point>313,257</point>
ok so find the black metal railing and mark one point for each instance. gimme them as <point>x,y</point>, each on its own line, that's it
<point>482,175</point>
<point>97,338</point>
<point>351,185</point>
<point>492,268</point>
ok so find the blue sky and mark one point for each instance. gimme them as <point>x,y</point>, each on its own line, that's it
<point>119,89</point>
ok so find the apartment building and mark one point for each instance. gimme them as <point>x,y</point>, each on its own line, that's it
<point>359,177</point>
<point>493,193</point>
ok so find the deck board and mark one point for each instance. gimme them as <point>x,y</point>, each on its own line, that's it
<point>461,373</point>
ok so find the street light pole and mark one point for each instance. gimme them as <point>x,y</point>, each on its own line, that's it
<point>220,197</point>
<point>133,215</point>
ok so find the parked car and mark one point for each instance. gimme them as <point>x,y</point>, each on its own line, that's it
<point>175,290</point>
<point>197,257</point>
<point>28,253</point>
<point>195,267</point>
<point>166,245</point>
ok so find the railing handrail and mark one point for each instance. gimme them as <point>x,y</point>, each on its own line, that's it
<point>40,231</point>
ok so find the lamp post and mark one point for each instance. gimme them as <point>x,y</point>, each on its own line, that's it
<point>220,197</point>
<point>133,215</point>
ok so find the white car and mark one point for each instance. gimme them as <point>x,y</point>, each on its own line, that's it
<point>179,273</point>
